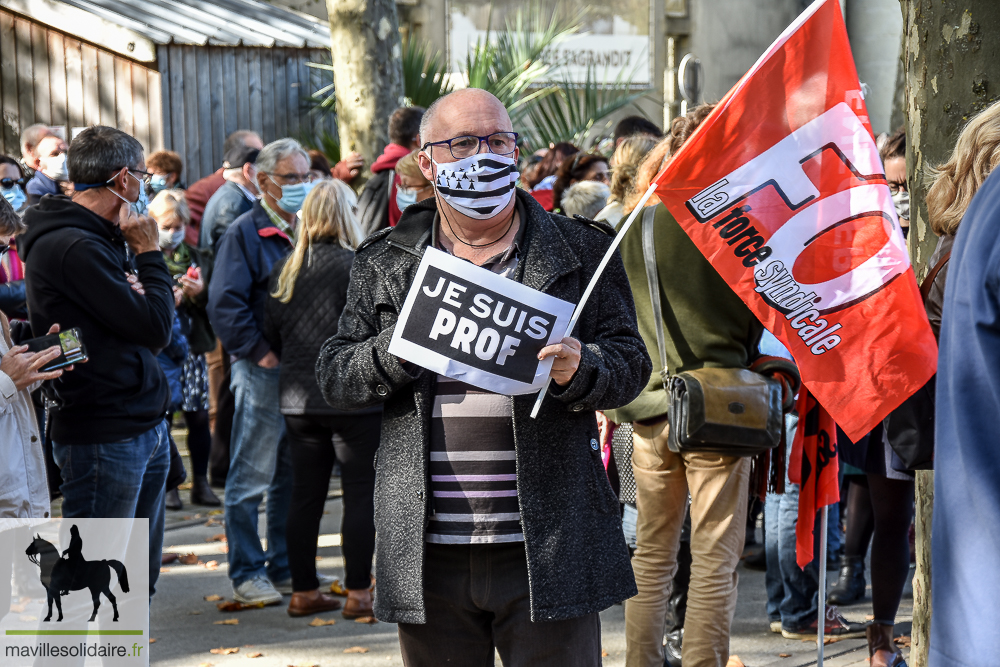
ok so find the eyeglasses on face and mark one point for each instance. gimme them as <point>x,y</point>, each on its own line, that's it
<point>292,178</point>
<point>498,143</point>
<point>8,183</point>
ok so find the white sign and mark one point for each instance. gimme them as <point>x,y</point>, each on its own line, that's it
<point>85,593</point>
<point>472,325</point>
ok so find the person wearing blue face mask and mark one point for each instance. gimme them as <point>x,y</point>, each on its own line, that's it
<point>260,460</point>
<point>12,184</point>
<point>166,168</point>
<point>413,187</point>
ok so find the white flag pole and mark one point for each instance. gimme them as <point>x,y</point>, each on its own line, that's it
<point>593,283</point>
<point>821,624</point>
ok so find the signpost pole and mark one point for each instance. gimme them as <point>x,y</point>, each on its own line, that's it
<point>593,283</point>
<point>821,621</point>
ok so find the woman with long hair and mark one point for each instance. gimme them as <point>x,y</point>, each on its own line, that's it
<point>624,164</point>
<point>308,293</point>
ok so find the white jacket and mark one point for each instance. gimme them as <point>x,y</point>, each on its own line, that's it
<point>24,491</point>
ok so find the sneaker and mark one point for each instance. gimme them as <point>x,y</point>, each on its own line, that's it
<point>285,586</point>
<point>836,626</point>
<point>776,627</point>
<point>256,591</point>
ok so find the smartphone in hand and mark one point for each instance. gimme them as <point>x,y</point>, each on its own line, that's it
<point>73,351</point>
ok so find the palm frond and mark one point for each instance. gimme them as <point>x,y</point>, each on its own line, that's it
<point>425,74</point>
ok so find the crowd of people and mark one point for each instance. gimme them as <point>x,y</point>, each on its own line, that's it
<point>257,305</point>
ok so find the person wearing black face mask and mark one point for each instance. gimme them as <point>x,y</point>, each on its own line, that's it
<point>95,264</point>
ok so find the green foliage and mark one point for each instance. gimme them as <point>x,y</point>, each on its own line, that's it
<point>325,141</point>
<point>574,112</point>
<point>425,74</point>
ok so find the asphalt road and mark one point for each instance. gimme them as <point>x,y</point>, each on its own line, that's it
<point>186,626</point>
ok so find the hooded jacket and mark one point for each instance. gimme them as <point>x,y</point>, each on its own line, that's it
<point>76,277</point>
<point>377,206</point>
<point>577,559</point>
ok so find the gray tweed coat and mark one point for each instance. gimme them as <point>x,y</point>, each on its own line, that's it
<point>577,559</point>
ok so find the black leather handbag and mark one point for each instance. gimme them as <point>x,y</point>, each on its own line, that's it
<point>730,411</point>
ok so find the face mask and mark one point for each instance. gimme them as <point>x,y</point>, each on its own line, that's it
<point>170,240</point>
<point>292,196</point>
<point>901,200</point>
<point>157,183</point>
<point>140,205</point>
<point>479,186</point>
<point>55,167</point>
<point>15,196</point>
<point>405,198</point>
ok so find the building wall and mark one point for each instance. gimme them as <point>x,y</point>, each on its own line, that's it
<point>209,92</point>
<point>49,77</point>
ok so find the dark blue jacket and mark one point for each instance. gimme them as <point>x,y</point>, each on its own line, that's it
<point>171,360</point>
<point>39,186</point>
<point>226,205</point>
<point>236,295</point>
<point>966,529</point>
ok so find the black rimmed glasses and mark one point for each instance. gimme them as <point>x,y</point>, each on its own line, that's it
<point>144,176</point>
<point>498,143</point>
<point>8,183</point>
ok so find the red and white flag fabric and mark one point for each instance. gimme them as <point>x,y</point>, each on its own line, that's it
<point>782,189</point>
<point>814,466</point>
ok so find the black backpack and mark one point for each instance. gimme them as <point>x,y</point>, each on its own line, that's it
<point>373,205</point>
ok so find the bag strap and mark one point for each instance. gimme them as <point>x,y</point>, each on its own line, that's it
<point>925,287</point>
<point>649,257</point>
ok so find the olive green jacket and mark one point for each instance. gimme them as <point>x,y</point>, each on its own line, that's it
<point>705,323</point>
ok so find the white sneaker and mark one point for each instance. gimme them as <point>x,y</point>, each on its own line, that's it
<point>256,591</point>
<point>285,587</point>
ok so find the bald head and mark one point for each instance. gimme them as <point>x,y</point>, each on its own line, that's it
<point>467,111</point>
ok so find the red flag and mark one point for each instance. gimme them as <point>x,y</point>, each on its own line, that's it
<point>782,189</point>
<point>814,466</point>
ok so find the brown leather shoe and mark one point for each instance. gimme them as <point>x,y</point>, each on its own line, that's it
<point>307,603</point>
<point>359,604</point>
<point>882,651</point>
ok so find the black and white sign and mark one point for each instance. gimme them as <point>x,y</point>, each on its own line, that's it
<point>470,324</point>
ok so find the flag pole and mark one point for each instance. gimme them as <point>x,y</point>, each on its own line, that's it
<point>821,624</point>
<point>593,283</point>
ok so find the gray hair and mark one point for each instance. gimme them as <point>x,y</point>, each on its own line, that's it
<point>10,222</point>
<point>31,135</point>
<point>99,152</point>
<point>276,151</point>
<point>585,198</point>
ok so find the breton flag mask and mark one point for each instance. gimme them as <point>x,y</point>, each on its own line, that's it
<point>479,186</point>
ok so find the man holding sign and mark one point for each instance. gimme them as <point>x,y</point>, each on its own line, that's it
<point>494,529</point>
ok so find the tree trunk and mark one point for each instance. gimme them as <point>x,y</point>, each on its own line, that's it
<point>952,69</point>
<point>367,72</point>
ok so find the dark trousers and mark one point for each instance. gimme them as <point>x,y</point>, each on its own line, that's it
<point>316,442</point>
<point>477,599</point>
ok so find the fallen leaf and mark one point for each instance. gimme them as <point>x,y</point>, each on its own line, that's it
<point>368,620</point>
<point>216,512</point>
<point>17,608</point>
<point>212,598</point>
<point>221,537</point>
<point>356,649</point>
<point>27,618</point>
<point>164,569</point>
<point>189,559</point>
<point>255,654</point>
<point>870,617</point>
<point>225,651</point>
<point>152,640</point>
<point>903,641</point>
<point>604,654</point>
<point>211,565</point>
<point>213,522</point>
<point>227,621</point>
<point>319,622</point>
<point>238,606</point>
<point>194,613</point>
<point>248,646</point>
<point>186,486</point>
<point>784,655</point>
<point>205,664</point>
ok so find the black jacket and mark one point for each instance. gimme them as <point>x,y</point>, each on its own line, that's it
<point>76,264</point>
<point>373,205</point>
<point>297,330</point>
<point>227,204</point>
<point>577,559</point>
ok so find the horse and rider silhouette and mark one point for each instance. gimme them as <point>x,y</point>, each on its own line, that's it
<point>71,572</point>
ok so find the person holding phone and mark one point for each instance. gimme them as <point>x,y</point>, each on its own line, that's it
<point>96,265</point>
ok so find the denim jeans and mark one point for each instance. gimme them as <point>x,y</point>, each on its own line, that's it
<point>119,480</point>
<point>259,463</point>
<point>792,592</point>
